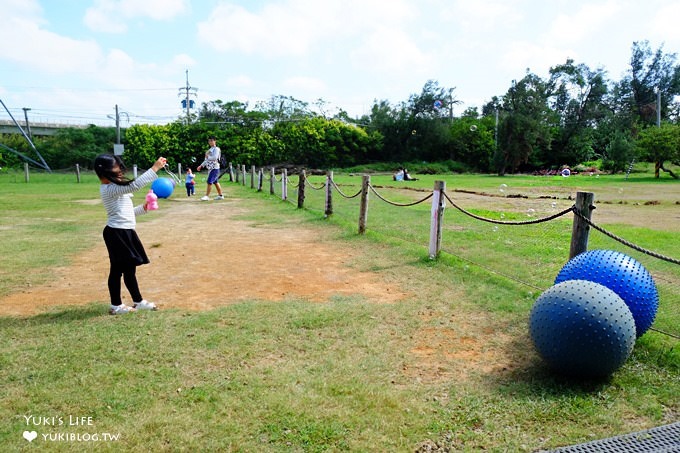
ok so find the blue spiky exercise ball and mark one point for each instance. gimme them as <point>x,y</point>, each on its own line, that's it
<point>623,275</point>
<point>163,187</point>
<point>582,329</point>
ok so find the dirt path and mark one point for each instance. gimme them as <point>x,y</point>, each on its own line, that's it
<point>202,257</point>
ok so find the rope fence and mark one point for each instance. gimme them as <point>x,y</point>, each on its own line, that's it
<point>530,251</point>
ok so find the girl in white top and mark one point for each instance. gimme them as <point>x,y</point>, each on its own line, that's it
<point>126,251</point>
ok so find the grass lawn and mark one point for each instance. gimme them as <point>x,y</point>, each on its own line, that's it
<point>451,364</point>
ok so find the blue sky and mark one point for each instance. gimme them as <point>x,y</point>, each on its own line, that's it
<point>72,61</point>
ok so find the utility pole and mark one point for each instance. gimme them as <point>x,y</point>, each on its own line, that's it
<point>117,126</point>
<point>495,131</point>
<point>118,148</point>
<point>187,91</point>
<point>28,126</point>
<point>658,107</point>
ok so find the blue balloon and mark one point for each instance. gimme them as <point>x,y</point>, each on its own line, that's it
<point>163,187</point>
<point>582,329</point>
<point>623,275</point>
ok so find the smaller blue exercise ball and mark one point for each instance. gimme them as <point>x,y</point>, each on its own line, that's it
<point>163,187</point>
<point>582,329</point>
<point>623,275</point>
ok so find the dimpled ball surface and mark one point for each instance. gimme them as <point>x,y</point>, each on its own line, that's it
<point>582,329</point>
<point>163,187</point>
<point>623,275</point>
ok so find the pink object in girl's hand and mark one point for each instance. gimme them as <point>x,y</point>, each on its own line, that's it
<point>151,201</point>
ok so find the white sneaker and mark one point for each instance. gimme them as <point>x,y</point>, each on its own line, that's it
<point>145,305</point>
<point>121,309</point>
<point>205,198</point>
<point>219,197</point>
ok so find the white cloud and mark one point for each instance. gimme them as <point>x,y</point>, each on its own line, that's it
<point>46,51</point>
<point>240,81</point>
<point>101,20</point>
<point>30,8</point>
<point>478,17</point>
<point>577,27</point>
<point>390,51</point>
<point>272,32</point>
<point>109,16</point>
<point>523,55</point>
<point>664,26</point>
<point>183,60</point>
<point>160,10</point>
<point>297,27</point>
<point>305,84</point>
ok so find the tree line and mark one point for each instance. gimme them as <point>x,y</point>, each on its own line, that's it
<point>575,115</point>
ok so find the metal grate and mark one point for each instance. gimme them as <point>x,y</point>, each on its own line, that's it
<point>662,439</point>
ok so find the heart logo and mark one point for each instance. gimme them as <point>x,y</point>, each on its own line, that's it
<point>30,435</point>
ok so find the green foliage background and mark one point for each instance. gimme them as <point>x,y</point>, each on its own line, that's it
<point>576,115</point>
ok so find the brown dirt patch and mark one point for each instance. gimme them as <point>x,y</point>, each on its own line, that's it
<point>643,207</point>
<point>203,257</point>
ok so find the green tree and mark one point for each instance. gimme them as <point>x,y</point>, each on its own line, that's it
<point>619,153</point>
<point>145,143</point>
<point>472,140</point>
<point>284,108</point>
<point>660,144</point>
<point>577,96</point>
<point>524,126</point>
<point>416,129</point>
<point>13,143</point>
<point>653,76</point>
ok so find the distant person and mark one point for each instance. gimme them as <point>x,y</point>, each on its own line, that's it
<point>189,182</point>
<point>126,251</point>
<point>212,163</point>
<point>408,177</point>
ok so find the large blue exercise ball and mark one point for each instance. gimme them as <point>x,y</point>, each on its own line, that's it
<point>623,275</point>
<point>582,329</point>
<point>163,187</point>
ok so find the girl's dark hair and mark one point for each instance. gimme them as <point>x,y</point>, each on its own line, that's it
<point>103,167</point>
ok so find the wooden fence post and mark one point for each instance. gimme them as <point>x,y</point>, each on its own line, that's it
<point>260,177</point>
<point>284,184</point>
<point>238,174</point>
<point>272,180</point>
<point>26,178</point>
<point>252,176</point>
<point>231,172</point>
<point>179,171</point>
<point>329,193</point>
<point>437,215</point>
<point>363,207</point>
<point>78,173</point>
<point>134,171</point>
<point>580,228</point>
<point>301,189</point>
<point>243,174</point>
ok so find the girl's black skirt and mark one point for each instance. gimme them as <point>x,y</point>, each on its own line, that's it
<point>124,247</point>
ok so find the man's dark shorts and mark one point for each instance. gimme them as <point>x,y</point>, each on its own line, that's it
<point>213,175</point>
